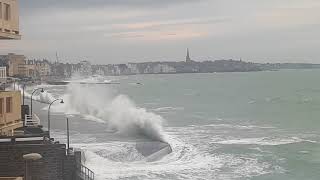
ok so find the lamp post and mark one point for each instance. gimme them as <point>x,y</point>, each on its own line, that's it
<point>68,137</point>
<point>23,97</point>
<point>28,158</point>
<point>14,82</point>
<point>61,101</point>
<point>32,95</point>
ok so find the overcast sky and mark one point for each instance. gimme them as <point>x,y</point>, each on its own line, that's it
<point>118,31</point>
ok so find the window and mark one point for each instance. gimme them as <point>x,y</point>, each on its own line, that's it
<point>1,105</point>
<point>8,104</point>
<point>7,12</point>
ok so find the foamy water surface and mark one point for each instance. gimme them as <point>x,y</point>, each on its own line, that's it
<point>213,131</point>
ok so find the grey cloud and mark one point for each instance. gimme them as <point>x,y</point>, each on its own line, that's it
<point>154,25</point>
<point>250,29</point>
<point>39,4</point>
<point>190,22</point>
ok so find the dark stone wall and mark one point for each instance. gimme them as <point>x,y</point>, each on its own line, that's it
<point>70,165</point>
<point>50,167</point>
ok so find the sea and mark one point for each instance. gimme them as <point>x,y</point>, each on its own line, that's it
<point>220,126</point>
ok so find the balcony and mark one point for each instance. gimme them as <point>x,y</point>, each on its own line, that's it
<point>9,19</point>
<point>8,36</point>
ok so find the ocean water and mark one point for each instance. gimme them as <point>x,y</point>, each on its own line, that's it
<point>257,125</point>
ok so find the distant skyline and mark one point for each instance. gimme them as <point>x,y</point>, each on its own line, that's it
<point>119,31</point>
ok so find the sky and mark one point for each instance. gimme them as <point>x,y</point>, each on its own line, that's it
<point>120,31</point>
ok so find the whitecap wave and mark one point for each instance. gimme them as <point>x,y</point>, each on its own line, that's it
<point>117,160</point>
<point>231,126</point>
<point>166,109</point>
<point>118,111</point>
<point>90,79</point>
<point>265,141</point>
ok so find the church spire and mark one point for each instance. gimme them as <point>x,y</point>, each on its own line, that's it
<point>188,59</point>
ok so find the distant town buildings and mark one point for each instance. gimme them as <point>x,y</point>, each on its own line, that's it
<point>85,68</point>
<point>18,66</point>
<point>15,64</point>
<point>42,69</point>
<point>9,19</point>
<point>37,68</point>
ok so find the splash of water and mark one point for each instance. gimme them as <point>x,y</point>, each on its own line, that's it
<point>118,111</point>
<point>44,97</point>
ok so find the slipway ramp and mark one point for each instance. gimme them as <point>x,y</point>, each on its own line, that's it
<point>154,150</point>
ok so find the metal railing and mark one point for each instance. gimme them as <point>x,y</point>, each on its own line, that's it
<point>31,121</point>
<point>84,173</point>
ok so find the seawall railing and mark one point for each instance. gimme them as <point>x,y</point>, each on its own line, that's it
<point>31,120</point>
<point>84,173</point>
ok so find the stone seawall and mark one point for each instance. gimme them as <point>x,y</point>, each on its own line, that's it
<point>54,165</point>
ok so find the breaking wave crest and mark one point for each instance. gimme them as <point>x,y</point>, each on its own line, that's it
<point>103,105</point>
<point>118,111</point>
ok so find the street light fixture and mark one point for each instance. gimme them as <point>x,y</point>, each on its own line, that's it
<point>61,101</point>
<point>32,156</point>
<point>42,91</point>
<point>29,158</point>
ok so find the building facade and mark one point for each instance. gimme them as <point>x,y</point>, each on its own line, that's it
<point>28,70</point>
<point>15,64</point>
<point>85,68</point>
<point>9,19</point>
<point>37,69</point>
<point>18,66</point>
<point>42,67</point>
<point>10,112</point>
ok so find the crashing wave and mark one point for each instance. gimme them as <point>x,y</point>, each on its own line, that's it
<point>118,111</point>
